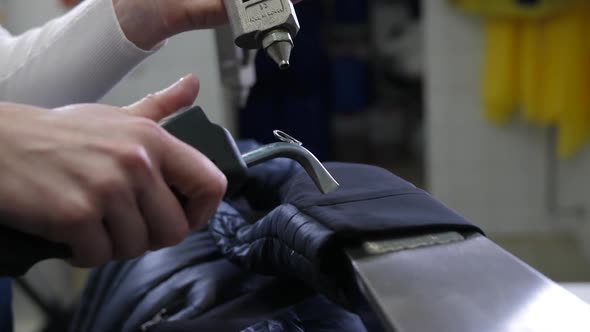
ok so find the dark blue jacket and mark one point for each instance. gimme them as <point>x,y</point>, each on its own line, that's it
<point>270,261</point>
<point>5,306</point>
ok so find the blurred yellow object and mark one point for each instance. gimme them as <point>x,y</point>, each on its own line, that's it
<point>531,73</point>
<point>507,9</point>
<point>500,88</point>
<point>537,59</point>
<point>572,108</point>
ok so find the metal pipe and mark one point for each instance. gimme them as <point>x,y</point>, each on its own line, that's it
<point>321,177</point>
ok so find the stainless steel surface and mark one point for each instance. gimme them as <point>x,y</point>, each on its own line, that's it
<point>464,286</point>
<point>321,177</point>
<point>276,36</point>
<point>268,24</point>
<point>278,45</point>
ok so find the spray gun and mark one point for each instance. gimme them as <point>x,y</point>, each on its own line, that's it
<point>191,126</point>
<point>267,24</point>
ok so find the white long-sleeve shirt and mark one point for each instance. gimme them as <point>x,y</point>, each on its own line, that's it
<point>76,58</point>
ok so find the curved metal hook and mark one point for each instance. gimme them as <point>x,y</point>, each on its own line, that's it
<point>320,175</point>
<point>283,136</point>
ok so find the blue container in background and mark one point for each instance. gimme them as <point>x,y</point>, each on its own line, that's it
<point>308,119</point>
<point>351,11</point>
<point>5,305</point>
<point>348,84</point>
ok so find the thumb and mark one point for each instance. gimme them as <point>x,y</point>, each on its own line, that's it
<point>161,104</point>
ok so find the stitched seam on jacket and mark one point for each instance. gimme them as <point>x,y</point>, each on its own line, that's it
<point>432,222</point>
<point>276,237</point>
<point>368,198</point>
<point>261,238</point>
<point>298,228</point>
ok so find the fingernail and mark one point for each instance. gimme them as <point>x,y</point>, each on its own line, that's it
<point>178,82</point>
<point>171,87</point>
<point>182,79</point>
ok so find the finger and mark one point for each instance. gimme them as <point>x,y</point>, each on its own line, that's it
<point>201,15</point>
<point>91,245</point>
<point>196,177</point>
<point>161,104</point>
<point>127,228</point>
<point>166,222</point>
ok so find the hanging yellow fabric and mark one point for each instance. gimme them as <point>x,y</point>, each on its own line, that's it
<point>573,115</point>
<point>500,87</point>
<point>537,59</point>
<point>512,8</point>
<point>531,72</point>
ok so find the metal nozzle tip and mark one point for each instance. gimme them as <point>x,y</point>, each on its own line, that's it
<point>280,52</point>
<point>278,44</point>
<point>284,65</point>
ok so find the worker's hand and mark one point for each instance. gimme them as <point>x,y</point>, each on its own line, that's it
<point>98,178</point>
<point>149,22</point>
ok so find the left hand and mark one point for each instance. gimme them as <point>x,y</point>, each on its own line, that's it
<point>97,178</point>
<point>147,23</point>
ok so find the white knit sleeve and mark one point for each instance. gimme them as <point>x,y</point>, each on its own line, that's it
<point>76,58</point>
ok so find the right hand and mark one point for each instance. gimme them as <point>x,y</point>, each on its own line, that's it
<point>98,178</point>
<point>147,23</point>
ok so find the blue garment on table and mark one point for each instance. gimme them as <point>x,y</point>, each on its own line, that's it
<point>5,305</point>
<point>286,267</point>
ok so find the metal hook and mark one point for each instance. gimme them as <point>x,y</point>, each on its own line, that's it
<point>320,175</point>
<point>282,136</point>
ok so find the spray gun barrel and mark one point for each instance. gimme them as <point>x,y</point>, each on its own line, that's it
<point>264,24</point>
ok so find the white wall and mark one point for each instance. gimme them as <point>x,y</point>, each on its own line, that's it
<point>494,176</point>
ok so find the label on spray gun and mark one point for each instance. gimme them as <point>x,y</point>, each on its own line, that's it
<point>264,10</point>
